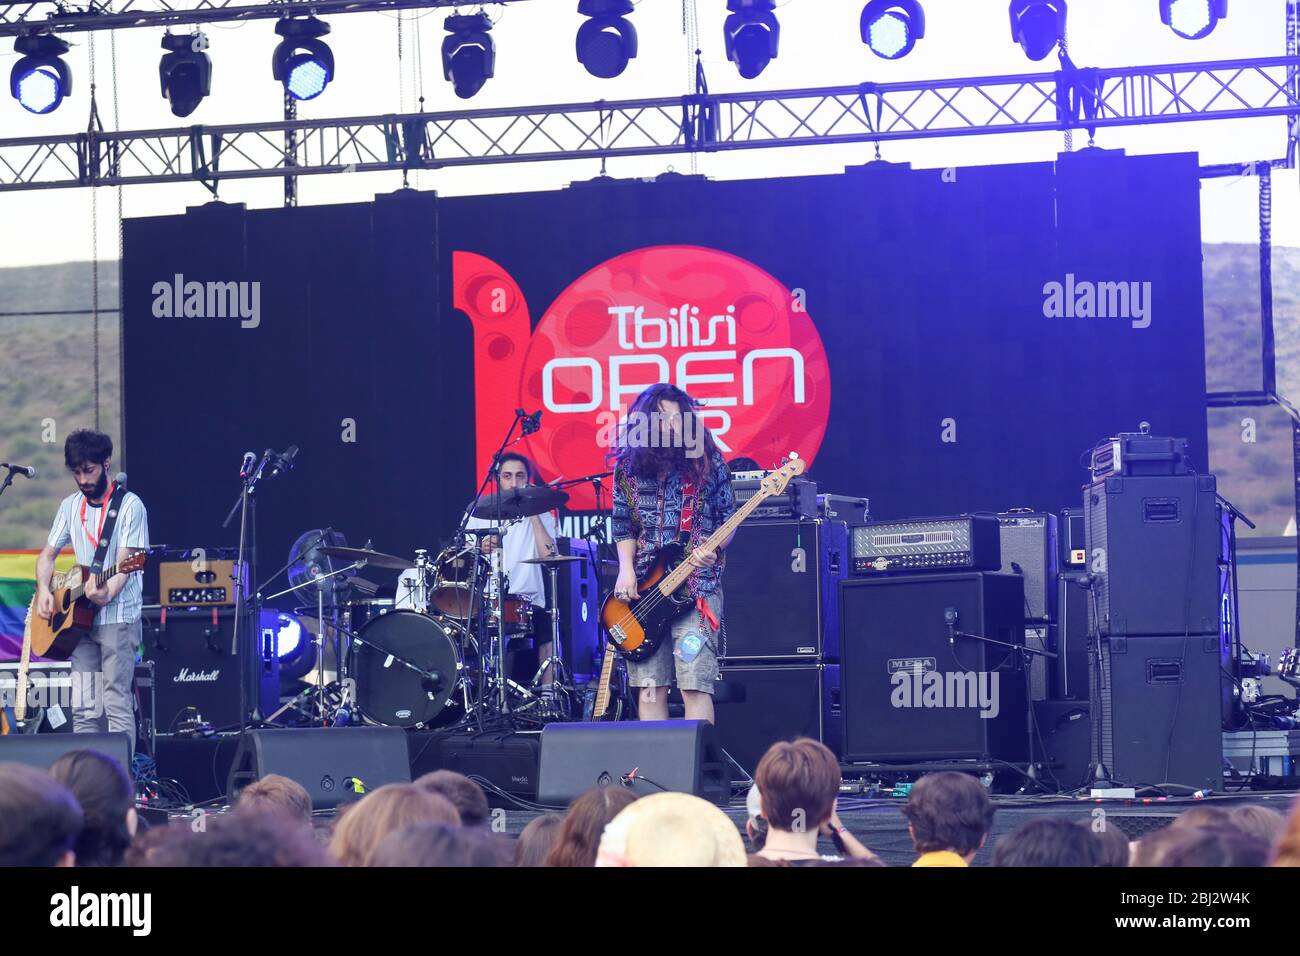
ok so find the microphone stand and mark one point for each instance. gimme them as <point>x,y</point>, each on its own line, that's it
<point>9,479</point>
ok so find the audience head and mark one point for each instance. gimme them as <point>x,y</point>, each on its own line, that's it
<point>1115,846</point>
<point>465,795</point>
<point>948,811</point>
<point>434,844</point>
<point>1214,846</point>
<point>391,807</point>
<point>244,839</point>
<point>158,845</point>
<point>40,819</point>
<point>276,794</point>
<point>671,829</point>
<point>1050,841</point>
<point>538,839</point>
<point>1286,851</point>
<point>1202,815</point>
<point>1262,823</point>
<point>107,798</point>
<point>798,782</point>
<point>586,820</point>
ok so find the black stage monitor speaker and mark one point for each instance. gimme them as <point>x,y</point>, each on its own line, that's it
<point>194,666</point>
<point>1063,731</point>
<point>914,689</point>
<point>1029,548</point>
<point>335,764</point>
<point>41,750</point>
<point>1156,710</point>
<point>779,590</point>
<point>772,702</point>
<point>507,760</point>
<point>678,755</point>
<point>1153,545</point>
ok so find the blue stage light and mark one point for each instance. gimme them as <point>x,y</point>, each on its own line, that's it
<point>892,27</point>
<point>40,79</point>
<point>469,56</point>
<point>302,61</point>
<point>1193,19</point>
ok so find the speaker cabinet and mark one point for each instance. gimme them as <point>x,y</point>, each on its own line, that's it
<point>1029,548</point>
<point>195,665</point>
<point>41,750</point>
<point>914,690</point>
<point>779,587</point>
<point>1153,545</point>
<point>335,764</point>
<point>1071,665</point>
<point>1156,710</point>
<point>678,755</point>
<point>772,702</point>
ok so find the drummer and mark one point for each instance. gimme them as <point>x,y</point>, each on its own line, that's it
<point>525,539</point>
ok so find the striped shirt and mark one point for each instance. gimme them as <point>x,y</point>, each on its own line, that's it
<point>131,531</point>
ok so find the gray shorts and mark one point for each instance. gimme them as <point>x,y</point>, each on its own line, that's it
<point>701,673</point>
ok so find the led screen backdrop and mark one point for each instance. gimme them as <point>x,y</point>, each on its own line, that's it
<point>937,340</point>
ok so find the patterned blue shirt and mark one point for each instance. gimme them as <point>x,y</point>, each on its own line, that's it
<point>649,512</point>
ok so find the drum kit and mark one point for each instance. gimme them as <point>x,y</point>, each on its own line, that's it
<point>435,654</point>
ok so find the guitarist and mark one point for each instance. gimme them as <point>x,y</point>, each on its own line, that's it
<point>105,659</point>
<point>670,481</point>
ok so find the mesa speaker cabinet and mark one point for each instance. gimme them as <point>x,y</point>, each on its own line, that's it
<point>912,689</point>
<point>194,666</point>
<point>779,590</point>
<point>1153,546</point>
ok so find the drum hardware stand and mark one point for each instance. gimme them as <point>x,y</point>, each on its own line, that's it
<point>561,677</point>
<point>322,707</point>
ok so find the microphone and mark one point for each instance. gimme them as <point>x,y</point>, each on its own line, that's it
<point>279,464</point>
<point>1086,581</point>
<point>434,683</point>
<point>120,479</point>
<point>249,465</point>
<point>26,471</point>
<point>531,423</point>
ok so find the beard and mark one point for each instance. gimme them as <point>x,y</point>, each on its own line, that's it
<point>100,487</point>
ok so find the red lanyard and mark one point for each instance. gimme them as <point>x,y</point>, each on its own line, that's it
<point>103,513</point>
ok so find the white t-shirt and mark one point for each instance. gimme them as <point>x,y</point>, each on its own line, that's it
<point>518,545</point>
<point>131,531</point>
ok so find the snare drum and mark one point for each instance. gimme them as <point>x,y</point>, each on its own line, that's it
<point>518,614</point>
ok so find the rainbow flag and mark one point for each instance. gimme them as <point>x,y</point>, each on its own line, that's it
<point>17,587</point>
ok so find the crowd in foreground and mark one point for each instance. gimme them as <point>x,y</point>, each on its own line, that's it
<point>82,813</point>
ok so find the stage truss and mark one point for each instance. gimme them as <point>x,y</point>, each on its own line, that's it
<point>1078,99</point>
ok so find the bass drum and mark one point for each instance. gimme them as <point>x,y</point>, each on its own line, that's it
<point>407,667</point>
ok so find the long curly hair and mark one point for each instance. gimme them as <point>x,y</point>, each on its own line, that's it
<point>655,458</point>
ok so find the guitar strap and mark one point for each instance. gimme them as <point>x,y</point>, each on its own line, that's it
<point>114,506</point>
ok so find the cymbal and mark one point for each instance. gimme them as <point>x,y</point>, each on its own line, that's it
<point>556,559</point>
<point>376,558</point>
<point>518,503</point>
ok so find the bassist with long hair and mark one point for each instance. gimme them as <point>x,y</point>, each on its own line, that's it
<point>672,486</point>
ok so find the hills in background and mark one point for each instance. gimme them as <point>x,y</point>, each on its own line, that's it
<point>47,375</point>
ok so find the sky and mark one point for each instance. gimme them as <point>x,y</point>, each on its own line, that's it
<point>378,70</point>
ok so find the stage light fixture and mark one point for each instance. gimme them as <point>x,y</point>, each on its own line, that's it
<point>468,54</point>
<point>752,35</point>
<point>1193,19</point>
<point>40,79</point>
<point>892,27</point>
<point>185,71</point>
<point>606,41</point>
<point>302,61</point>
<point>1038,25</point>
<point>293,644</point>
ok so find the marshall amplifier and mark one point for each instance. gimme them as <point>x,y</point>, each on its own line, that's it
<point>1028,544</point>
<point>965,543</point>
<point>779,590</point>
<point>194,666</point>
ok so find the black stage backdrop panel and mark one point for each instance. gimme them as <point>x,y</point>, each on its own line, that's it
<point>941,341</point>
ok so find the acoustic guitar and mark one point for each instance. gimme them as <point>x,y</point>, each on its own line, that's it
<point>74,613</point>
<point>637,627</point>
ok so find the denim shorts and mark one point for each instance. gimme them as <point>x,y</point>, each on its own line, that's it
<point>701,673</point>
